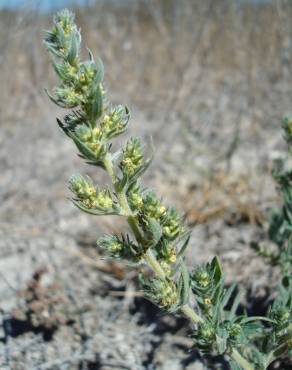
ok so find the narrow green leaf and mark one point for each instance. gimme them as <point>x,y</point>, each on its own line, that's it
<point>73,49</point>
<point>216,268</point>
<point>155,232</point>
<point>99,72</point>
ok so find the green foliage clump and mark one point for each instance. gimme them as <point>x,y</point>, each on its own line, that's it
<point>158,235</point>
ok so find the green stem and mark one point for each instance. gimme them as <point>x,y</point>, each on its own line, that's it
<point>123,200</point>
<point>134,227</point>
<point>191,314</point>
<point>109,168</point>
<point>236,356</point>
<point>154,264</point>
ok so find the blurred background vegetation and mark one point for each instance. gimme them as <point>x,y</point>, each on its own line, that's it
<point>213,78</point>
<point>195,66</point>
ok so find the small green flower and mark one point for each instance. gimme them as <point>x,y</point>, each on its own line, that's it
<point>167,260</point>
<point>152,207</point>
<point>132,158</point>
<point>67,73</point>
<point>234,331</point>
<point>171,255</point>
<point>162,292</point>
<point>281,315</point>
<point>86,73</point>
<point>92,138</point>
<point>166,253</point>
<point>82,187</point>
<point>166,267</point>
<point>207,301</point>
<point>84,133</point>
<point>68,96</point>
<point>90,196</point>
<point>207,332</point>
<point>104,199</point>
<point>201,277</point>
<point>64,38</point>
<point>66,20</point>
<point>171,222</point>
<point>135,198</point>
<point>205,336</point>
<point>115,122</point>
<point>120,248</point>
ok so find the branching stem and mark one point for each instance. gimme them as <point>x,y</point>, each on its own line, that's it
<point>154,264</point>
<point>191,314</point>
<point>236,356</point>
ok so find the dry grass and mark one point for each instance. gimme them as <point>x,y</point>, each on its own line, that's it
<point>227,197</point>
<point>158,52</point>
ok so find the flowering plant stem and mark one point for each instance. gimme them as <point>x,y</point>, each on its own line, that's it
<point>159,237</point>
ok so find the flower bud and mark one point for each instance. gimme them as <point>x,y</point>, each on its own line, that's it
<point>112,245</point>
<point>104,200</point>
<point>281,316</point>
<point>165,252</point>
<point>68,97</point>
<point>90,196</point>
<point>82,187</point>
<point>92,138</point>
<point>84,133</point>
<point>64,38</point>
<point>201,278</point>
<point>120,248</point>
<point>171,222</point>
<point>152,207</point>
<point>132,158</point>
<point>135,198</point>
<point>206,332</point>
<point>115,122</point>
<point>162,292</point>
<point>234,331</point>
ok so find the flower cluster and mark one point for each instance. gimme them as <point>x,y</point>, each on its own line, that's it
<point>115,121</point>
<point>151,209</point>
<point>88,197</point>
<point>162,292</point>
<point>80,81</point>
<point>121,248</point>
<point>81,88</point>
<point>64,38</point>
<point>222,328</point>
<point>132,158</point>
<point>135,198</point>
<point>205,281</point>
